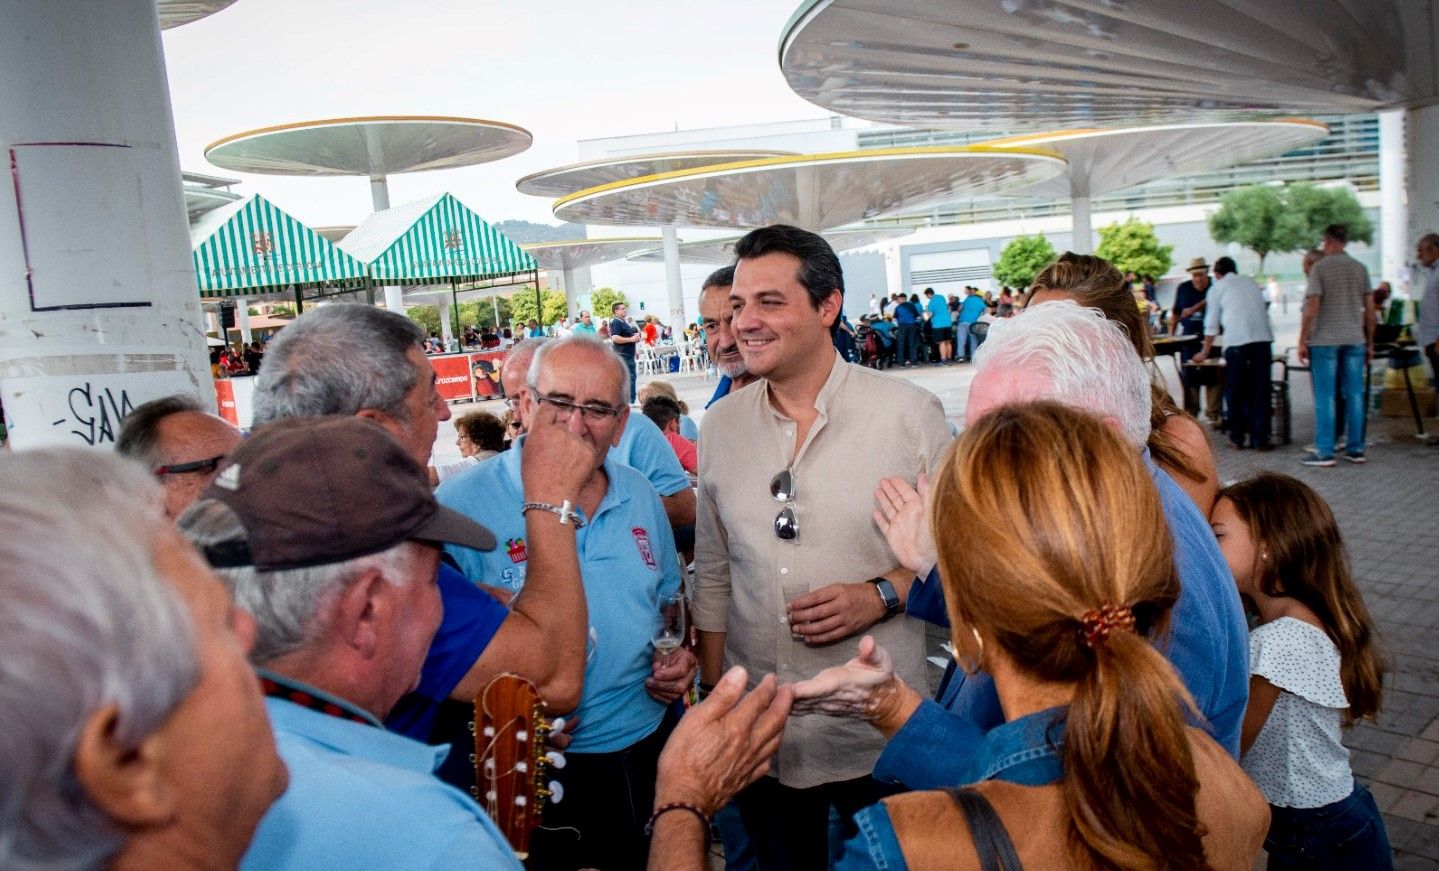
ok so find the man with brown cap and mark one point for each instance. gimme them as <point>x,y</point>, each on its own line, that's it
<point>1187,319</point>
<point>334,551</point>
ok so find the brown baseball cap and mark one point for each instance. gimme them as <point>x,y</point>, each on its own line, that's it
<point>318,491</point>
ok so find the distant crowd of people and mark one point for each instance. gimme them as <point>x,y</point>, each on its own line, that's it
<point>266,651</point>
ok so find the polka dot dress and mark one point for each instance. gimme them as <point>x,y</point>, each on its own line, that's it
<point>1298,761</point>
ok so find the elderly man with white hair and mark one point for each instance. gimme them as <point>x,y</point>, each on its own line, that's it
<point>1072,354</point>
<point>134,731</point>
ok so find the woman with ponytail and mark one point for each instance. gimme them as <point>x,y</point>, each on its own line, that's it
<point>1315,668</point>
<point>1062,578</point>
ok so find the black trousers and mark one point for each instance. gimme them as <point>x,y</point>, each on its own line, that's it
<point>1246,392</point>
<point>789,828</point>
<point>608,799</point>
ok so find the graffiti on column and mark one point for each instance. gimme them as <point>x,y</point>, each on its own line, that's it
<point>95,414</point>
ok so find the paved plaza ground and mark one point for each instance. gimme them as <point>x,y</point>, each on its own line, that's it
<point>1387,513</point>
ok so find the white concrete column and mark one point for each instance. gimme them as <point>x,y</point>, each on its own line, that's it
<point>572,297</point>
<point>98,306</point>
<point>1421,139</point>
<point>212,323</point>
<point>242,319</point>
<point>669,238</point>
<point>447,331</point>
<point>1394,240</point>
<point>380,197</point>
<point>1083,233</point>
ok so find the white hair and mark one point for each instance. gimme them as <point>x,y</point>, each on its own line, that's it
<point>86,621</point>
<point>585,341</point>
<point>1088,360</point>
<point>290,606</point>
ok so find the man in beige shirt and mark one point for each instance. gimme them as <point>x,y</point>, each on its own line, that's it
<point>788,558</point>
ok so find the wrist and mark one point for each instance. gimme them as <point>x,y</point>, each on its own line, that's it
<point>895,702</point>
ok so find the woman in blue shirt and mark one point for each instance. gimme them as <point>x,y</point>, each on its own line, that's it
<point>1061,580</point>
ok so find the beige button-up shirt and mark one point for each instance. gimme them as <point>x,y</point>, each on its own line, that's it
<point>870,426</point>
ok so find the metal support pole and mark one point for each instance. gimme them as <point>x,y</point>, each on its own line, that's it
<point>669,238</point>
<point>1393,199</point>
<point>1083,234</point>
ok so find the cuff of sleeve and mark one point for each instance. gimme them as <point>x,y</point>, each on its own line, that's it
<point>710,616</point>
<point>910,756</point>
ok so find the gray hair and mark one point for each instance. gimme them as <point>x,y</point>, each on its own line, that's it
<point>290,606</point>
<point>85,621</point>
<point>1088,360</point>
<point>590,343</point>
<point>139,437</point>
<point>338,359</point>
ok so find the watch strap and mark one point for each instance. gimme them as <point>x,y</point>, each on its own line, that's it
<point>566,511</point>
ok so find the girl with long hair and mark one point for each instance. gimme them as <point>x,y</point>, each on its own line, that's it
<point>1177,442</point>
<point>1315,668</point>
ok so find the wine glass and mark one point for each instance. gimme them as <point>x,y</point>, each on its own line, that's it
<point>670,625</point>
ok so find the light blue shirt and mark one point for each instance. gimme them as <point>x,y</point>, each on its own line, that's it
<point>642,446</point>
<point>361,797</point>
<point>1236,304</point>
<point>938,311</point>
<point>627,559</point>
<point>1426,332</point>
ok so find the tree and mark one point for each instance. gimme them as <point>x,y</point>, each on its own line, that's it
<point>522,306</point>
<point>1258,218</point>
<point>427,316</point>
<point>1133,247</point>
<point>1022,259</point>
<point>1313,208</point>
<point>602,301</point>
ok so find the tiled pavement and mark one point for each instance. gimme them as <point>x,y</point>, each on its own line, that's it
<point>1388,512</point>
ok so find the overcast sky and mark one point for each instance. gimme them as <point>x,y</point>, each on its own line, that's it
<point>563,69</point>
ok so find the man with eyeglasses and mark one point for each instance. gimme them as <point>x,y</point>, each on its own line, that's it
<point>787,560</point>
<point>627,561</point>
<point>180,442</point>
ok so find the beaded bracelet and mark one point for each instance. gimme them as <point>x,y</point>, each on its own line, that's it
<point>679,806</point>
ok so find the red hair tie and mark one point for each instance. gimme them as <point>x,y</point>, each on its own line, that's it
<point>1101,621</point>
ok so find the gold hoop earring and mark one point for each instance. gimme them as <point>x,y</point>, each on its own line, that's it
<point>971,668</point>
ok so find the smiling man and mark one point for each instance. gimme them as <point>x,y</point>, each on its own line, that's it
<point>717,317</point>
<point>782,538</point>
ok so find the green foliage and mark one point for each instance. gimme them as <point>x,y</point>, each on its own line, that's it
<point>522,306</point>
<point>282,311</point>
<point>252,311</point>
<point>427,316</point>
<point>1133,247</point>
<point>1267,218</point>
<point>1022,259</point>
<point>481,313</point>
<point>602,301</point>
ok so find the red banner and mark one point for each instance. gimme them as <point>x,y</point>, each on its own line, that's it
<point>452,377</point>
<point>225,396</point>
<point>485,370</point>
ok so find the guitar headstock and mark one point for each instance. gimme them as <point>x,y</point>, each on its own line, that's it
<point>510,757</point>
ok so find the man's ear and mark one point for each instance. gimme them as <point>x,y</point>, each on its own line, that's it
<point>363,612</point>
<point>127,785</point>
<point>829,308</point>
<point>620,430</point>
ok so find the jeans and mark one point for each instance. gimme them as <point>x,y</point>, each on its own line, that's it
<point>1246,392</point>
<point>630,365</point>
<point>1346,363</point>
<point>1348,834</point>
<point>908,344</point>
<point>964,338</point>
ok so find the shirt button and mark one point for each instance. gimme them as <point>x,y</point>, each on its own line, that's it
<point>784,571</point>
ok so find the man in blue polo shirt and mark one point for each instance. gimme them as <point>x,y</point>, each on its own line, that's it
<point>717,315</point>
<point>940,323</point>
<point>906,321</point>
<point>627,559</point>
<point>970,311</point>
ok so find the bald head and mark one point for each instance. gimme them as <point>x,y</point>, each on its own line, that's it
<point>514,374</point>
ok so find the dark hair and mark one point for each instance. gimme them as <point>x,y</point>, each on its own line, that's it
<point>483,429</point>
<point>614,307</point>
<point>722,277</point>
<point>662,410</point>
<point>819,270</point>
<point>1094,282</point>
<point>139,437</point>
<point>1307,561</point>
<point>1338,232</point>
<point>1225,266</point>
<point>929,291</point>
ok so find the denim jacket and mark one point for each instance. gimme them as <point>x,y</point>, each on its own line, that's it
<point>1024,751</point>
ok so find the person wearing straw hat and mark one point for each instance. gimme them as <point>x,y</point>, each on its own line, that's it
<point>1187,318</point>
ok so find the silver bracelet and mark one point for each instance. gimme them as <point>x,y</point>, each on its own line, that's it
<point>566,511</point>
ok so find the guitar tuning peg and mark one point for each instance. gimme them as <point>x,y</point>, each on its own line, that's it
<point>489,731</point>
<point>522,766</point>
<point>522,736</point>
<point>472,727</point>
<point>555,759</point>
<point>556,792</point>
<point>521,801</point>
<point>557,724</point>
<point>473,759</point>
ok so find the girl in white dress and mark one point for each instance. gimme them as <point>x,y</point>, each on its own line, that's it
<point>1314,668</point>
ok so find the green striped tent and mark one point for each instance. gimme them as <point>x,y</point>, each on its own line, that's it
<point>251,247</point>
<point>436,240</point>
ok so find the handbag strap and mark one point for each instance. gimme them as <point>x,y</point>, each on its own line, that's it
<point>991,840</point>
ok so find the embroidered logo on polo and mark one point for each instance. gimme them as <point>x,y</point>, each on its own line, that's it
<point>515,547</point>
<point>642,541</point>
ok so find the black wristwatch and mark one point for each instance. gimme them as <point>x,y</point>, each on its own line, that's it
<point>888,596</point>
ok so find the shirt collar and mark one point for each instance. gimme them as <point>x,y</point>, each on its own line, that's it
<point>838,371</point>
<point>312,698</point>
<point>352,739</point>
<point>1036,737</point>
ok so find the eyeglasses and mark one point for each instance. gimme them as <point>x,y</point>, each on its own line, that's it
<point>786,524</point>
<point>564,408</point>
<point>204,467</point>
<point>512,403</point>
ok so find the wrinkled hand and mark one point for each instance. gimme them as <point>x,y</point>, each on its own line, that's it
<point>561,738</point>
<point>556,461</point>
<point>849,690</point>
<point>671,675</point>
<point>723,744</point>
<point>902,517</point>
<point>835,612</point>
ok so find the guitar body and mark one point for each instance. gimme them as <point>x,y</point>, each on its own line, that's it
<point>510,760</point>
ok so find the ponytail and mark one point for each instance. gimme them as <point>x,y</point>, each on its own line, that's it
<point>1129,783</point>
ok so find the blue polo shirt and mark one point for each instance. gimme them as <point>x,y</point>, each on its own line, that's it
<point>642,446</point>
<point>722,390</point>
<point>938,311</point>
<point>971,309</point>
<point>627,559</point>
<point>906,313</point>
<point>362,797</point>
<point>1207,644</point>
